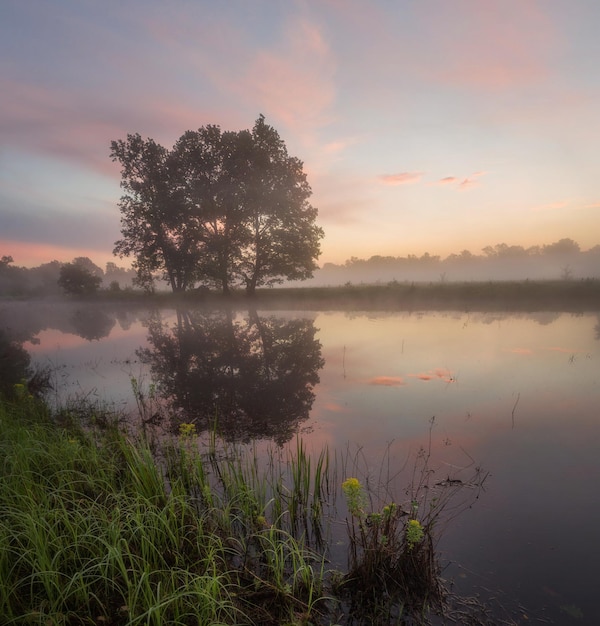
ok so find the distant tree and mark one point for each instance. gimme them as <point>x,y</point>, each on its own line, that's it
<point>534,251</point>
<point>428,259</point>
<point>86,263</point>
<point>119,275</point>
<point>77,280</point>
<point>44,278</point>
<point>353,262</point>
<point>562,247</point>
<point>13,280</point>
<point>566,272</point>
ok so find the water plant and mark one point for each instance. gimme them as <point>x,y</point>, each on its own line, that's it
<point>98,526</point>
<point>393,568</point>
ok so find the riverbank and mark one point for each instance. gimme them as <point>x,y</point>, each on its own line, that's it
<point>502,296</point>
<point>101,527</point>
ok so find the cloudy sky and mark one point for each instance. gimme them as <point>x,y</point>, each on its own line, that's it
<point>424,125</point>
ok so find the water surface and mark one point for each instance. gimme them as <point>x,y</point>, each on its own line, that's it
<point>514,394</point>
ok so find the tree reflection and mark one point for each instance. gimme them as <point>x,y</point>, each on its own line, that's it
<point>253,376</point>
<point>92,324</point>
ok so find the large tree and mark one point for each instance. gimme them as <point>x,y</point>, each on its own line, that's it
<point>282,238</point>
<point>157,230</point>
<point>213,172</point>
<point>221,208</point>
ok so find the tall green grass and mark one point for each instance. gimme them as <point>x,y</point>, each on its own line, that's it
<point>99,527</point>
<point>94,530</point>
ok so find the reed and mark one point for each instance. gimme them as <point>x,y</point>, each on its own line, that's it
<point>393,566</point>
<point>97,526</point>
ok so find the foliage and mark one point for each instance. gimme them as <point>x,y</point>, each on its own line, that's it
<point>99,527</point>
<point>76,279</point>
<point>220,208</point>
<point>392,557</point>
<point>93,531</point>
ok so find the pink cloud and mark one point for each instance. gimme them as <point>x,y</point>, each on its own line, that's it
<point>490,45</point>
<point>33,254</point>
<point>448,180</point>
<point>441,373</point>
<point>552,206</point>
<point>470,181</point>
<point>563,350</point>
<point>402,178</point>
<point>477,44</point>
<point>462,184</point>
<point>387,381</point>
<point>78,128</point>
<point>425,377</point>
<point>334,407</point>
<point>293,81</point>
<point>524,351</point>
<point>466,183</point>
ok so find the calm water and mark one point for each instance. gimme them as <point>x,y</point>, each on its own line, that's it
<point>517,394</point>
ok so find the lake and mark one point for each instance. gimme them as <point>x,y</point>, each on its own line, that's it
<point>515,394</point>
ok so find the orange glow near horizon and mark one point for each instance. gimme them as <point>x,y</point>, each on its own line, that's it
<point>29,254</point>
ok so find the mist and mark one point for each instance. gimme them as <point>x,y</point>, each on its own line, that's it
<point>563,260</point>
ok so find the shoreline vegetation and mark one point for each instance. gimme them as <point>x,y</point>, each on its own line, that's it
<point>527,295</point>
<point>107,526</point>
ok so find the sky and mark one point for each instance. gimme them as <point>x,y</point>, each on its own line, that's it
<point>423,125</point>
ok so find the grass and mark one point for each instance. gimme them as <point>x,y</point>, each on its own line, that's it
<point>97,527</point>
<point>525,295</point>
<point>492,295</point>
<point>94,530</point>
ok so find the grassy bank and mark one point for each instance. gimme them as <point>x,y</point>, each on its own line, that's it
<point>94,531</point>
<point>526,296</point>
<point>563,295</point>
<point>96,528</point>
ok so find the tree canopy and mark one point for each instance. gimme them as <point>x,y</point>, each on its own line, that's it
<point>221,208</point>
<point>76,279</point>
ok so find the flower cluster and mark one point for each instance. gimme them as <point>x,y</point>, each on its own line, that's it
<point>414,533</point>
<point>187,430</point>
<point>355,496</point>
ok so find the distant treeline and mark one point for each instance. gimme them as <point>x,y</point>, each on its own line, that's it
<point>43,280</point>
<point>563,259</point>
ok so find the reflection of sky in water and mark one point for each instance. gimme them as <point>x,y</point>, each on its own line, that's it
<point>100,370</point>
<point>518,394</point>
<point>400,370</point>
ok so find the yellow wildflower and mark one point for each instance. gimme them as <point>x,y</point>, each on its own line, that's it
<point>187,430</point>
<point>414,533</point>
<point>353,491</point>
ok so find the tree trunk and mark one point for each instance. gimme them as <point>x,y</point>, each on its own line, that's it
<point>251,286</point>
